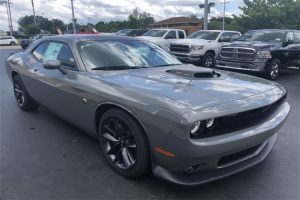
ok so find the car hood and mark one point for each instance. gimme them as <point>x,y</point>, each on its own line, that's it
<point>193,42</point>
<point>195,93</point>
<point>255,45</point>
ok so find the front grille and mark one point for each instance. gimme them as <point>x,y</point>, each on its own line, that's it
<point>240,121</point>
<point>238,156</point>
<point>180,48</point>
<point>239,53</point>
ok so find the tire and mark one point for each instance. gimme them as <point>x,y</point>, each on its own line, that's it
<point>12,43</point>
<point>208,60</point>
<point>24,101</point>
<point>273,70</point>
<point>124,144</point>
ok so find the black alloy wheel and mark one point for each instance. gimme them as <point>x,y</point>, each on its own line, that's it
<point>119,143</point>
<point>19,92</point>
<point>24,101</point>
<point>273,70</point>
<point>208,60</point>
<point>123,143</point>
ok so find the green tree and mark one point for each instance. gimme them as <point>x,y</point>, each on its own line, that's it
<point>57,24</point>
<point>42,22</point>
<point>193,16</point>
<point>31,30</point>
<point>258,14</point>
<point>230,24</point>
<point>138,19</point>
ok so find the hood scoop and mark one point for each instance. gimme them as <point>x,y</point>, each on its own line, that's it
<point>195,74</point>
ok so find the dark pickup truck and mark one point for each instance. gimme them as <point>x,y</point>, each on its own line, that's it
<point>266,51</point>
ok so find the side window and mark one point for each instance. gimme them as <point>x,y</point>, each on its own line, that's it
<point>235,36</point>
<point>39,51</point>
<point>290,36</point>
<point>180,34</point>
<point>61,52</point>
<point>225,37</point>
<point>171,35</point>
<point>297,37</point>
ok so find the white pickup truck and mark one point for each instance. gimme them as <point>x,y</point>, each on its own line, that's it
<point>164,37</point>
<point>202,46</point>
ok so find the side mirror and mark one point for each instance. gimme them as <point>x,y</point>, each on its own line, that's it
<point>288,43</point>
<point>52,64</point>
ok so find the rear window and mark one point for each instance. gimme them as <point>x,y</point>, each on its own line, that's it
<point>297,37</point>
<point>180,34</point>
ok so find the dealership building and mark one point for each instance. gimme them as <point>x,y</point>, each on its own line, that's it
<point>188,24</point>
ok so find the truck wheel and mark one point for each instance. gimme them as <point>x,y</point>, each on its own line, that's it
<point>273,70</point>
<point>208,60</point>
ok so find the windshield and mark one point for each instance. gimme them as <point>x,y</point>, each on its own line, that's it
<point>123,54</point>
<point>263,36</point>
<point>155,33</point>
<point>123,32</point>
<point>205,35</point>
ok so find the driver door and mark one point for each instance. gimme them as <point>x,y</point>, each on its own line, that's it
<point>291,52</point>
<point>56,88</point>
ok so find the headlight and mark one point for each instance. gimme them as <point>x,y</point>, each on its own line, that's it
<point>210,123</point>
<point>195,127</point>
<point>264,54</point>
<point>202,126</point>
<point>197,47</point>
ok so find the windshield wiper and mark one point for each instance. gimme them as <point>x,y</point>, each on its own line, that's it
<point>165,65</point>
<point>117,67</point>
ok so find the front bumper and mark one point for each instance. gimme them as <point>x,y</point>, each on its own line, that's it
<point>256,66</point>
<point>188,57</point>
<point>207,155</point>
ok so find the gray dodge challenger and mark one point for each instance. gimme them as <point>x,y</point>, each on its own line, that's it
<point>150,112</point>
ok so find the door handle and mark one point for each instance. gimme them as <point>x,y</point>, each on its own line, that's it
<point>35,69</point>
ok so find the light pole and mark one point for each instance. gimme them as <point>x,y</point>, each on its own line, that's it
<point>53,29</point>
<point>7,3</point>
<point>73,18</point>
<point>224,11</point>
<point>33,10</point>
<point>11,25</point>
<point>206,7</point>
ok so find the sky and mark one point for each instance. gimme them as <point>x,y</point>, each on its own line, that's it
<point>106,10</point>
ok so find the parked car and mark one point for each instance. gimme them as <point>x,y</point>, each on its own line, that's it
<point>202,46</point>
<point>265,51</point>
<point>88,31</point>
<point>26,42</point>
<point>148,110</point>
<point>8,40</point>
<point>131,32</point>
<point>163,37</point>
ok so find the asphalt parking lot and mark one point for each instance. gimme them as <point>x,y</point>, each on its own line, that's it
<point>42,157</point>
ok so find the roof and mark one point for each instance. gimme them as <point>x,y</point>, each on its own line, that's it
<point>177,20</point>
<point>78,37</point>
<point>273,30</point>
<point>166,29</point>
